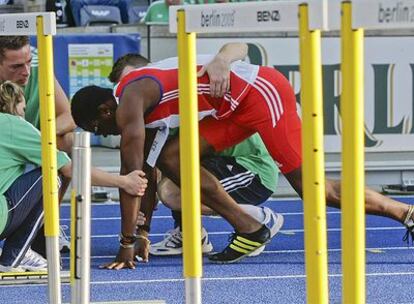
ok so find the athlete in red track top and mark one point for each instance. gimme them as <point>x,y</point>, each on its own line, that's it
<point>249,88</point>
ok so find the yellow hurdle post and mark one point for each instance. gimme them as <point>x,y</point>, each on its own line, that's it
<point>49,166</point>
<point>313,161</point>
<point>352,202</point>
<point>189,161</point>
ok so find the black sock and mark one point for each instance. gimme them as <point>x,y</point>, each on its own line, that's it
<point>39,242</point>
<point>177,218</point>
<point>260,235</point>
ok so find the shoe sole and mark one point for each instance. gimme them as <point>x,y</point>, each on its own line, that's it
<point>5,269</point>
<point>206,250</point>
<point>30,269</point>
<point>256,252</point>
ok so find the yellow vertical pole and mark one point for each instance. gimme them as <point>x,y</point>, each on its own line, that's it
<point>313,173</point>
<point>353,179</point>
<point>49,166</point>
<point>189,160</point>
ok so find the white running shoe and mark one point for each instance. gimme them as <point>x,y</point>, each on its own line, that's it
<point>173,243</point>
<point>32,261</point>
<point>64,242</point>
<point>11,269</point>
<point>273,221</point>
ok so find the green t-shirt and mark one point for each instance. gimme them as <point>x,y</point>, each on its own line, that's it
<point>31,93</point>
<point>19,145</point>
<point>157,13</point>
<point>253,156</point>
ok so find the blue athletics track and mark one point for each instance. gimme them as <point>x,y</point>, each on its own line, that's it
<point>276,276</point>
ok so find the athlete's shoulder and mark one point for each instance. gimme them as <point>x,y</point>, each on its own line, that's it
<point>132,76</point>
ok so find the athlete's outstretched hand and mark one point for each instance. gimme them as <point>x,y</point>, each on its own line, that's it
<point>218,71</point>
<point>124,259</point>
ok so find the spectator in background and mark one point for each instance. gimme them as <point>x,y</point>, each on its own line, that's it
<point>76,6</point>
<point>57,6</point>
<point>158,12</point>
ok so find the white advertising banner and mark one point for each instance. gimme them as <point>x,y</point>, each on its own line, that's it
<point>389,78</point>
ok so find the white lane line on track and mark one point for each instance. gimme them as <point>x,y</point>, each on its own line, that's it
<point>293,276</point>
<point>176,280</point>
<point>287,231</point>
<point>278,251</point>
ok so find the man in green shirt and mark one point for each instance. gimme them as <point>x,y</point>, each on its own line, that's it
<point>20,65</point>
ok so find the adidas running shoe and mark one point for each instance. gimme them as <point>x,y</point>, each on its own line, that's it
<point>250,244</point>
<point>32,261</point>
<point>273,221</point>
<point>173,243</point>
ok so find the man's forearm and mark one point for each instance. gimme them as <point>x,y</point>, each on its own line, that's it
<point>233,51</point>
<point>64,124</point>
<point>105,179</point>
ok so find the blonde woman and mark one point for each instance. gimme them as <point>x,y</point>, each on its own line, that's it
<point>21,207</point>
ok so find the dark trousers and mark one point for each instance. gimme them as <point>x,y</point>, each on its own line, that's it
<point>25,216</point>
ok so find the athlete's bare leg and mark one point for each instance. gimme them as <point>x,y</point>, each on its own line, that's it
<point>170,195</point>
<point>212,193</point>
<point>375,203</point>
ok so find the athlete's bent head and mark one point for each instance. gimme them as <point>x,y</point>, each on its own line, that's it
<point>93,109</point>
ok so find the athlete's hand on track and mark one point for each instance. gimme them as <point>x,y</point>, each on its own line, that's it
<point>142,246</point>
<point>124,259</point>
<point>218,71</point>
